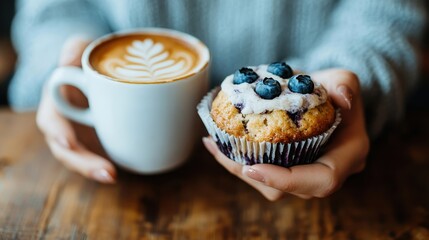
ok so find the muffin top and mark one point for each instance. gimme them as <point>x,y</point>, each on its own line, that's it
<point>267,103</point>
<point>254,97</point>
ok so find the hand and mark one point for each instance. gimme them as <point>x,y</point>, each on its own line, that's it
<point>345,153</point>
<point>7,58</point>
<point>69,142</point>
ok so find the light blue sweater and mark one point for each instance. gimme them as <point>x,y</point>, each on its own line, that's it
<point>376,39</point>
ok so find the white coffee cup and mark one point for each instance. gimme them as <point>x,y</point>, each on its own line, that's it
<point>144,127</point>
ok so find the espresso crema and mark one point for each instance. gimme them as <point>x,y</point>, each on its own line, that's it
<point>145,58</point>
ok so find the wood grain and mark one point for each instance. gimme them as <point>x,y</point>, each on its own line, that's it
<point>40,199</point>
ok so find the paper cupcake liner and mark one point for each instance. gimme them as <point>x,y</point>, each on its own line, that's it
<point>248,152</point>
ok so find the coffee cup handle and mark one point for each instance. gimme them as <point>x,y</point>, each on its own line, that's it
<point>73,76</point>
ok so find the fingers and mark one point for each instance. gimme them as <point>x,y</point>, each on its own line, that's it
<point>344,90</point>
<point>346,154</point>
<point>314,179</point>
<point>332,78</point>
<point>344,157</point>
<point>52,124</point>
<point>230,165</point>
<point>343,97</point>
<point>48,119</point>
<point>81,160</point>
<point>60,134</point>
<point>319,179</point>
<point>62,141</point>
<point>342,86</point>
<point>71,55</point>
<point>236,169</point>
<point>72,51</point>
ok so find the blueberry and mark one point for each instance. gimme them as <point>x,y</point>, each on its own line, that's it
<point>280,69</point>
<point>239,106</point>
<point>296,116</point>
<point>301,84</point>
<point>268,88</point>
<point>244,75</point>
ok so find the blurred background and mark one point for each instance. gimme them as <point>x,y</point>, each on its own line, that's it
<point>419,99</point>
<point>7,54</point>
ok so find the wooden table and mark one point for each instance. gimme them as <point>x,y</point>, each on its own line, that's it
<point>40,199</point>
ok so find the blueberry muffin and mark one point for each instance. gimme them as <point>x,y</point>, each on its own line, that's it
<point>268,104</point>
<point>265,114</point>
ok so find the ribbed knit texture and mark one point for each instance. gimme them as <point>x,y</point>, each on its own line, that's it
<point>377,40</point>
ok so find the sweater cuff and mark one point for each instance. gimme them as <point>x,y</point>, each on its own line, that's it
<point>39,56</point>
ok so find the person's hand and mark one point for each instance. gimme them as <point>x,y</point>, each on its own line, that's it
<point>345,154</point>
<point>72,144</point>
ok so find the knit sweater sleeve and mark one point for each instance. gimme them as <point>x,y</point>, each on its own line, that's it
<point>378,41</point>
<point>39,30</point>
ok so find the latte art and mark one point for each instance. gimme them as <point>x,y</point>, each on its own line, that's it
<point>147,61</point>
<point>145,58</point>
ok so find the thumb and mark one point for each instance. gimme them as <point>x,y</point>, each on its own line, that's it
<point>343,96</point>
<point>342,86</point>
<point>71,55</point>
<point>72,51</point>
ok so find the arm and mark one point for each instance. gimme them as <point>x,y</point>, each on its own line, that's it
<point>345,154</point>
<point>50,33</point>
<point>378,41</point>
<point>39,31</point>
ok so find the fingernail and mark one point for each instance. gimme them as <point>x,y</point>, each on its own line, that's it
<point>211,147</point>
<point>347,94</point>
<point>102,175</point>
<point>253,174</point>
<point>63,141</point>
